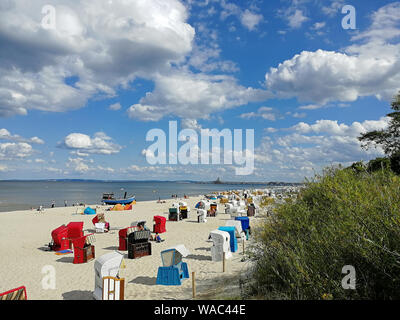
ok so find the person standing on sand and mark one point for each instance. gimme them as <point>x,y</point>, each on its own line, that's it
<point>53,204</point>
<point>65,203</point>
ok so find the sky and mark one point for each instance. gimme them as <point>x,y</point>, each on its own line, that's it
<point>83,82</point>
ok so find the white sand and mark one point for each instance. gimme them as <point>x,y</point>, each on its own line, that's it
<point>23,234</point>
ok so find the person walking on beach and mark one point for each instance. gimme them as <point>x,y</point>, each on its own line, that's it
<point>53,204</point>
<point>65,203</point>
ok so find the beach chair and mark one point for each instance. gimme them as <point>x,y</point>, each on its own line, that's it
<point>174,270</point>
<point>159,224</point>
<point>251,210</point>
<point>138,244</point>
<point>60,240</point>
<point>230,208</point>
<point>14,294</point>
<point>239,233</point>
<point>100,223</point>
<point>201,216</point>
<point>75,230</point>
<point>184,211</point>
<point>212,212</point>
<point>173,214</point>
<point>233,241</point>
<point>233,209</point>
<point>221,245</point>
<point>84,249</point>
<point>108,285</point>
<point>200,205</point>
<point>123,237</point>
<point>140,223</point>
<point>245,221</point>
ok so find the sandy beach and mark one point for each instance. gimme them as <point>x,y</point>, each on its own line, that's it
<point>24,234</point>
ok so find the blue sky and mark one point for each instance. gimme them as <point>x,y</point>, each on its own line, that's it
<point>78,98</point>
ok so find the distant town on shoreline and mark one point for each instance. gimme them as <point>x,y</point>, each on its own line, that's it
<point>218,181</point>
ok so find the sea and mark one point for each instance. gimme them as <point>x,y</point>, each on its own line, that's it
<point>23,195</point>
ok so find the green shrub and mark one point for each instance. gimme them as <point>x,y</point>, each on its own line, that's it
<point>341,218</point>
<point>395,163</point>
<point>379,164</point>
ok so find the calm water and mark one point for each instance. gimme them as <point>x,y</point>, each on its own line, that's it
<point>21,195</point>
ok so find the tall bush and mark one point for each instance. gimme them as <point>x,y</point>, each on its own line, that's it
<point>340,218</point>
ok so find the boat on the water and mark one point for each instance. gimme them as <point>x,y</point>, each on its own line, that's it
<point>108,198</point>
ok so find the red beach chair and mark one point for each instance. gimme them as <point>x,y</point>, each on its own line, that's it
<point>83,249</point>
<point>159,224</point>
<point>60,239</point>
<point>123,237</point>
<point>14,294</point>
<point>99,218</point>
<point>75,230</point>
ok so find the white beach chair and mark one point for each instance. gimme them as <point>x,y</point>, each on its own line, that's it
<point>201,216</point>
<point>238,228</point>
<point>221,245</point>
<point>107,268</point>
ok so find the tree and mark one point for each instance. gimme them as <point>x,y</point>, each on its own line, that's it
<point>389,138</point>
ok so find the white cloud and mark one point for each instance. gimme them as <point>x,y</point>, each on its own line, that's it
<point>332,127</point>
<point>115,107</point>
<point>334,8</point>
<point>5,168</point>
<point>83,144</point>
<point>271,130</point>
<point>12,150</point>
<point>54,170</point>
<point>190,124</point>
<point>95,48</point>
<point>78,165</point>
<point>265,113</point>
<point>318,25</point>
<point>206,58</point>
<point>325,76</point>
<point>208,94</point>
<point>229,9</point>
<point>314,146</point>
<point>310,107</point>
<point>367,69</point>
<point>86,166</point>
<point>296,19</point>
<point>250,20</point>
<point>6,135</point>
<point>385,24</point>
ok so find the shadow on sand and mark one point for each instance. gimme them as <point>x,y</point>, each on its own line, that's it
<point>148,281</point>
<point>66,259</point>
<point>203,249</point>
<point>111,248</point>
<point>78,295</point>
<point>44,248</point>
<point>198,257</point>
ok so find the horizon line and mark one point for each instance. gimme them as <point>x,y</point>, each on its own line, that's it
<point>194,181</point>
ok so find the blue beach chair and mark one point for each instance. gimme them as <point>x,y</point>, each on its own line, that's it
<point>233,241</point>
<point>173,270</point>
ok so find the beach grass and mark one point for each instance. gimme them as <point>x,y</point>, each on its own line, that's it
<point>341,218</point>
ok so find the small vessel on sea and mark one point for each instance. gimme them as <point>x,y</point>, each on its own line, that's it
<point>109,198</point>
